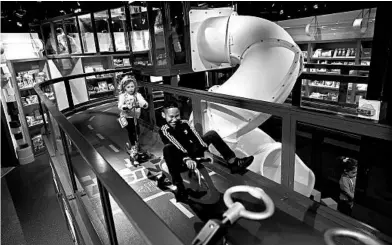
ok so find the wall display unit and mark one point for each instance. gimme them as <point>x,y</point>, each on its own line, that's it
<point>122,61</point>
<point>99,86</point>
<point>25,74</point>
<point>333,39</point>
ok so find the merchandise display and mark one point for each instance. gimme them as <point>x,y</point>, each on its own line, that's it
<point>27,74</point>
<point>121,62</point>
<point>38,143</point>
<point>35,119</point>
<point>335,53</point>
<point>100,85</point>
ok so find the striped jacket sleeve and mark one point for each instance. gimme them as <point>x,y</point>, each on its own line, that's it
<point>197,135</point>
<point>168,138</point>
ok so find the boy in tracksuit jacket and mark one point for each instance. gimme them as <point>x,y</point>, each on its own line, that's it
<point>183,145</point>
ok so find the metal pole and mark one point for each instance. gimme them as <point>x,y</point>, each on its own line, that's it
<point>41,110</point>
<point>52,132</point>
<point>69,94</point>
<point>68,160</point>
<point>289,125</point>
<point>107,212</point>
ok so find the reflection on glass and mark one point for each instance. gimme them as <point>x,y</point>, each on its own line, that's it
<point>62,46</point>
<point>49,40</point>
<point>103,31</point>
<point>87,34</point>
<point>176,35</point>
<point>118,23</point>
<point>140,36</point>
<point>159,34</point>
<point>37,39</point>
<point>72,34</point>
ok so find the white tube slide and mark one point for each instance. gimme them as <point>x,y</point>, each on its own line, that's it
<point>269,64</point>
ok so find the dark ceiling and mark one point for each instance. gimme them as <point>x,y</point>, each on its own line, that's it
<point>15,16</point>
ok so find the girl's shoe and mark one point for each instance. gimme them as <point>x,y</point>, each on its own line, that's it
<point>128,148</point>
<point>134,155</point>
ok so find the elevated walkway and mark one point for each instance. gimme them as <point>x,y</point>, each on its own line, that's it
<point>99,126</point>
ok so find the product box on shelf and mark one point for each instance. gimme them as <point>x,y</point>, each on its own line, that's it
<point>27,79</point>
<point>38,142</point>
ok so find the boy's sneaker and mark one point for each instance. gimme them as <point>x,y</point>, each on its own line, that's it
<point>240,164</point>
<point>163,182</point>
<point>181,195</point>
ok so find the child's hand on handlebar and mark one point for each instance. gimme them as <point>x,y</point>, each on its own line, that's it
<point>191,164</point>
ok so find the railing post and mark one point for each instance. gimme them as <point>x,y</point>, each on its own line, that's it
<point>52,132</point>
<point>296,95</point>
<point>41,110</point>
<point>198,118</point>
<point>289,125</point>
<point>151,106</point>
<point>107,212</point>
<point>69,94</point>
<point>343,87</point>
<point>68,160</point>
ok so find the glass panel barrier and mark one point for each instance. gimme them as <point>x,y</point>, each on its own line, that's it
<point>103,31</point>
<point>50,42</point>
<point>118,23</point>
<point>86,181</point>
<point>71,28</point>
<point>62,45</point>
<point>140,35</point>
<point>177,35</point>
<point>86,30</point>
<point>159,34</point>
<point>350,172</point>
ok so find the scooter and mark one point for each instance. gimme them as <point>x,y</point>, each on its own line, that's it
<point>135,155</point>
<point>198,180</point>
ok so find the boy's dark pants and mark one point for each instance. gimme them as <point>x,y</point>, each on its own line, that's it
<point>174,161</point>
<point>345,207</point>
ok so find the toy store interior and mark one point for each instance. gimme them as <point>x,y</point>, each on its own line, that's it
<point>300,92</point>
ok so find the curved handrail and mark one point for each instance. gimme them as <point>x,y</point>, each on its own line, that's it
<point>143,218</point>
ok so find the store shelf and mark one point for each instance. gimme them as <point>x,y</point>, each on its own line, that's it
<point>334,58</point>
<point>122,67</point>
<point>30,105</point>
<point>335,77</point>
<point>26,88</point>
<point>98,78</point>
<point>100,93</point>
<point>324,87</point>
<point>34,127</point>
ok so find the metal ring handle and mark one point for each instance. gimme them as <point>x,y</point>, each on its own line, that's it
<point>330,234</point>
<point>255,192</point>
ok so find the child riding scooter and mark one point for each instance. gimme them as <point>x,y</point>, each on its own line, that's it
<point>130,102</point>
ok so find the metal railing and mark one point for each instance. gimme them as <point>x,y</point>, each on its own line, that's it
<point>143,218</point>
